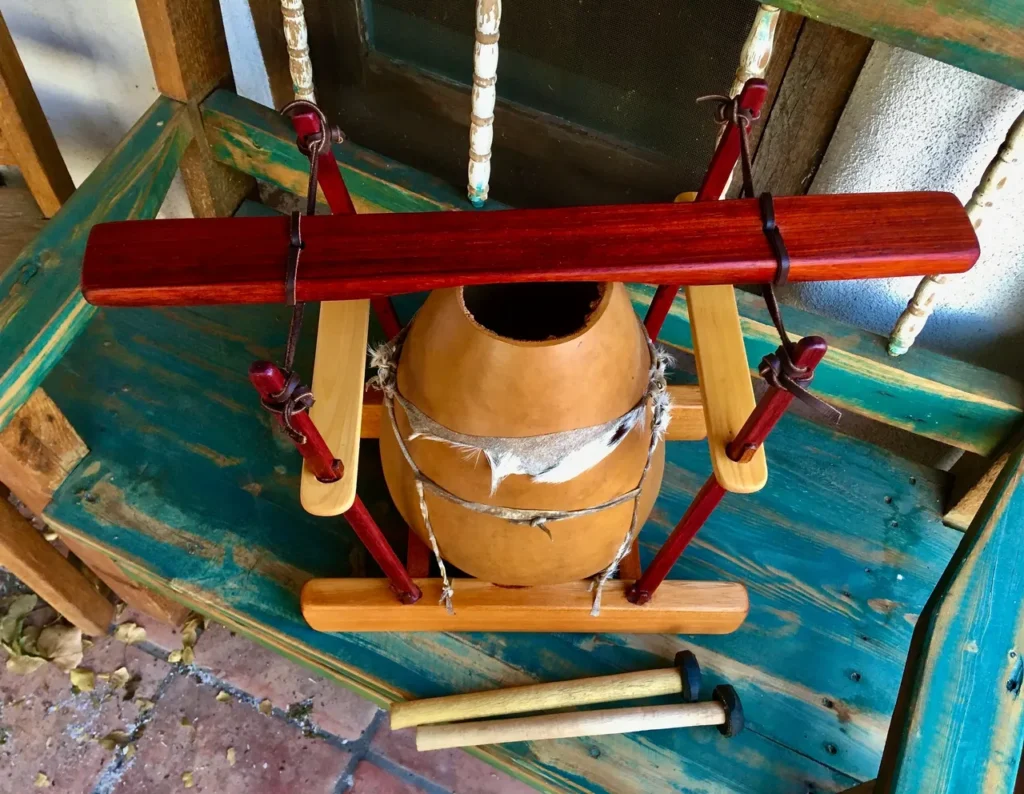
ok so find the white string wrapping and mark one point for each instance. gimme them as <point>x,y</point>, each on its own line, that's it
<point>542,457</point>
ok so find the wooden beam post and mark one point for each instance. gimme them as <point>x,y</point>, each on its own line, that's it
<point>958,724</point>
<point>25,553</point>
<point>189,52</point>
<point>26,135</point>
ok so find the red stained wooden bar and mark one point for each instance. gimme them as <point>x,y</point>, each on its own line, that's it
<point>808,353</point>
<point>369,533</point>
<point>340,202</point>
<point>242,260</point>
<point>723,163</point>
<point>269,381</point>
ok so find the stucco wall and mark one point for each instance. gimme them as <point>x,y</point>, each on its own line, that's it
<point>916,124</point>
<point>88,64</point>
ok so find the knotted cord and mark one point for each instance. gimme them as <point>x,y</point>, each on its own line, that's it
<point>777,369</point>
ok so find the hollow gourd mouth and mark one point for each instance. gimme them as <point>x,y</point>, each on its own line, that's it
<point>537,313</point>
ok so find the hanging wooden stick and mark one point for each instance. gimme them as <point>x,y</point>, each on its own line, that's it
<point>481,120</point>
<point>1004,166</point>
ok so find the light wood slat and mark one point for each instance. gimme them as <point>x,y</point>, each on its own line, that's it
<point>725,384</point>
<point>370,605</point>
<point>338,382</point>
<point>25,553</point>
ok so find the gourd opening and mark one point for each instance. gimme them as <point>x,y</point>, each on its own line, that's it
<point>534,312</point>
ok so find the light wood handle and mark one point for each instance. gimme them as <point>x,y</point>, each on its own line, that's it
<point>537,697</point>
<point>564,726</point>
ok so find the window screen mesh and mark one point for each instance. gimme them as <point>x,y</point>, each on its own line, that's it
<point>627,70</point>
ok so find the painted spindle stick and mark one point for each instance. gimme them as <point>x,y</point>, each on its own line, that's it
<point>294,18</point>
<point>808,353</point>
<point>485,78</point>
<point>724,711</point>
<point>684,678</point>
<point>1006,165</point>
<point>757,49</point>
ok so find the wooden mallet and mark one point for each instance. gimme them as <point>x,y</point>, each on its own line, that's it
<point>724,710</point>
<point>683,678</point>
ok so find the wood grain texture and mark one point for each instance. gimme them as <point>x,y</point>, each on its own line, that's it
<point>26,133</point>
<point>242,260</point>
<point>958,724</point>
<point>537,697</point>
<point>338,377</point>
<point>41,567</point>
<point>134,595</point>
<point>725,386</point>
<point>959,404</point>
<point>189,52</point>
<point>820,77</point>
<point>38,450</point>
<point>41,307</point>
<point>369,605</point>
<point>20,219</point>
<point>268,24</point>
<point>981,36</point>
<point>195,498</point>
<point>599,722</point>
<point>966,507</point>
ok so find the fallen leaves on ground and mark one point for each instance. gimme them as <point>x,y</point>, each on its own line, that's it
<point>115,739</point>
<point>223,696</point>
<point>83,679</point>
<point>231,756</point>
<point>130,633</point>
<point>62,645</point>
<point>266,707</point>
<point>42,781</point>
<point>120,677</point>
<point>186,779</point>
<point>189,634</point>
<point>144,705</point>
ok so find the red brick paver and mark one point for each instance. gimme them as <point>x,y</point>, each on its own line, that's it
<point>455,770</point>
<point>271,755</point>
<point>261,673</point>
<point>370,779</point>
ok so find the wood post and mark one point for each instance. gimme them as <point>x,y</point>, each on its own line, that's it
<point>189,52</point>
<point>27,139</point>
<point>25,553</point>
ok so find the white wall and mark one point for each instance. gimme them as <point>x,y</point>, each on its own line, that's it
<point>916,124</point>
<point>89,66</point>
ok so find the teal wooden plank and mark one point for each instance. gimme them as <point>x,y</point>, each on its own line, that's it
<point>259,142</point>
<point>41,307</point>
<point>982,36</point>
<point>959,720</point>
<point>187,478</point>
<point>923,392</point>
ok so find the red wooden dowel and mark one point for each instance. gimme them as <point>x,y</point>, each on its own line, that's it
<point>340,201</point>
<point>369,533</point>
<point>807,354</point>
<point>417,557</point>
<point>723,163</point>
<point>269,381</point>
<point>242,260</point>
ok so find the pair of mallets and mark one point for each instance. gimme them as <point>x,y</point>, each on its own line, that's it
<point>684,678</point>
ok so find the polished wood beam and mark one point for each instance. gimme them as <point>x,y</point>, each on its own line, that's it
<point>242,260</point>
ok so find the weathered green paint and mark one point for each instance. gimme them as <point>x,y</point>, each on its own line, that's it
<point>259,142</point>
<point>187,482</point>
<point>959,721</point>
<point>41,307</point>
<point>982,36</point>
<point>923,392</point>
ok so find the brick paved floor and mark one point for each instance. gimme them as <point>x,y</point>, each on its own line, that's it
<point>318,738</point>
